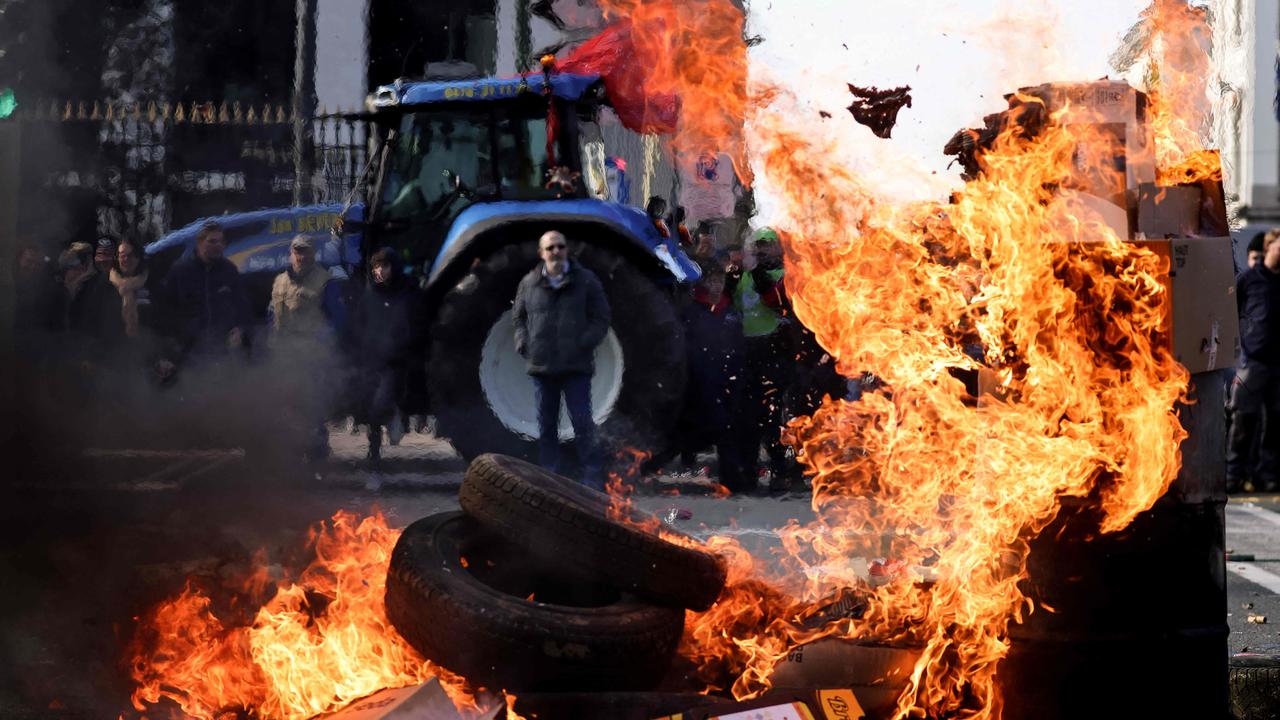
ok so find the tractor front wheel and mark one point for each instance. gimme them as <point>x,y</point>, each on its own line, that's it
<point>482,397</point>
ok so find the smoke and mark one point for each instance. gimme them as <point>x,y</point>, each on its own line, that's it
<point>962,59</point>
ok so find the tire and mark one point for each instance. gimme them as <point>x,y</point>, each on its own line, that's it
<point>458,594</point>
<point>1254,682</point>
<point>646,335</point>
<point>566,523</point>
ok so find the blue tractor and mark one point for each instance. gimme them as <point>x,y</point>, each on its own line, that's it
<point>459,187</point>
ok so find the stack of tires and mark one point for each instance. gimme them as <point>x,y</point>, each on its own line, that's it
<point>1254,680</point>
<point>534,588</point>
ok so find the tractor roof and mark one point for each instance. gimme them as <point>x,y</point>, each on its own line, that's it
<point>418,92</point>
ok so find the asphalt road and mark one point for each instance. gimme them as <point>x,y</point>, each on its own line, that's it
<point>1253,573</point>
<point>93,539</point>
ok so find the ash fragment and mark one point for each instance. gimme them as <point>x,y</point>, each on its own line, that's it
<point>844,604</point>
<point>878,109</point>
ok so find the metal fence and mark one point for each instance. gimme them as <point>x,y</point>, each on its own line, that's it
<point>128,170</point>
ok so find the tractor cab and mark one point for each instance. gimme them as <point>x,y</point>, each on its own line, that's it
<point>449,145</point>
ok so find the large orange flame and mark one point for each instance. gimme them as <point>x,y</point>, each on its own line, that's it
<point>319,643</point>
<point>1062,321</point>
<point>1178,70</point>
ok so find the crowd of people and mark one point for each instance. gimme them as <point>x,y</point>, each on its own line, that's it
<point>98,317</point>
<point>101,322</point>
<point>101,317</point>
<point>752,365</point>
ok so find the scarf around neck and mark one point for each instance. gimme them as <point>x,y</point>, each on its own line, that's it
<point>128,287</point>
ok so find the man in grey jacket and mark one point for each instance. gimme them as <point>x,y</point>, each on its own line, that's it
<point>561,314</point>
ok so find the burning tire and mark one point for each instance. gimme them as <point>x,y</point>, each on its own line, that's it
<point>1255,686</point>
<point>484,399</point>
<point>481,607</point>
<point>568,524</point>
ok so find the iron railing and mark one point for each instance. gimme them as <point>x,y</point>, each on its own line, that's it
<point>137,171</point>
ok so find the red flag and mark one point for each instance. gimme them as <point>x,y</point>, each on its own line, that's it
<point>613,57</point>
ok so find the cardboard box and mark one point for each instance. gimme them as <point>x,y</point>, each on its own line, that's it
<point>833,704</point>
<point>416,702</point>
<point>1203,322</point>
<point>1167,211</point>
<point>1121,155</point>
<point>1088,208</point>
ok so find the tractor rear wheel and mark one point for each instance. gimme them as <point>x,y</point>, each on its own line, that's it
<point>482,397</point>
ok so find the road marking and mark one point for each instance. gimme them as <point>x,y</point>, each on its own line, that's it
<point>172,468</point>
<point>128,453</point>
<point>1260,513</point>
<point>1256,575</point>
<point>729,531</point>
<point>206,468</point>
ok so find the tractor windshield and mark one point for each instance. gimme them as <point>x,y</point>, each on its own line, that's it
<point>443,159</point>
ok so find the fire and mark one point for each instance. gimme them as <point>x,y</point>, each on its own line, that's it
<point>511,708</point>
<point>1066,314</point>
<point>620,486</point>
<point>317,644</point>
<point>1177,76</point>
<point>1059,317</point>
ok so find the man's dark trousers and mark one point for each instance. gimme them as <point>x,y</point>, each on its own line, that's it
<point>1255,387</point>
<point>576,388</point>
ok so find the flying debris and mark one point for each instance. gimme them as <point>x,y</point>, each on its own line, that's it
<point>878,109</point>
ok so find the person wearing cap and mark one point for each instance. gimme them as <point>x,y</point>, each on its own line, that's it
<point>760,296</point>
<point>1253,256</point>
<point>297,297</point>
<point>205,299</point>
<point>104,255</point>
<point>301,338</point>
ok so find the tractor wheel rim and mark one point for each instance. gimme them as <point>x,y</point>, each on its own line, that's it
<point>509,391</point>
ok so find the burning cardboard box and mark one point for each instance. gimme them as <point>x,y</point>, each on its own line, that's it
<point>835,704</point>
<point>1116,185</point>
<point>427,701</point>
<point>1121,156</point>
<point>1203,324</point>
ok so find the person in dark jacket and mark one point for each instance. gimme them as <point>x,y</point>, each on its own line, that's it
<point>561,314</point>
<point>384,341</point>
<point>205,300</point>
<point>1256,387</point>
<point>717,374</point>
<point>94,325</point>
<point>1249,453</point>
